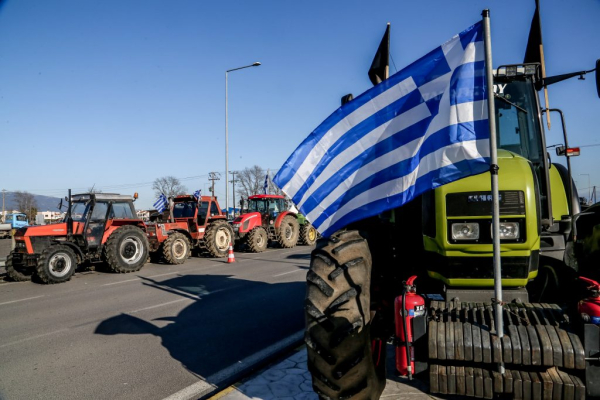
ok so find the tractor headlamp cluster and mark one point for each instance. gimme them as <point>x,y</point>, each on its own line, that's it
<point>508,230</point>
<point>465,231</point>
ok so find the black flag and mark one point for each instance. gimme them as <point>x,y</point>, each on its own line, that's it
<point>534,42</point>
<point>535,50</point>
<point>380,67</point>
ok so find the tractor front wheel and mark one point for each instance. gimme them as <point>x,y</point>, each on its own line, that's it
<point>56,264</point>
<point>287,234</point>
<point>176,249</point>
<point>257,240</point>
<point>16,271</point>
<point>308,234</point>
<point>126,249</point>
<point>338,321</point>
<point>218,237</point>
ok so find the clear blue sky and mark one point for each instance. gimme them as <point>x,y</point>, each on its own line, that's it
<point>117,93</point>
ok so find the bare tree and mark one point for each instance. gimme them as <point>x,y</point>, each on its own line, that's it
<point>169,186</point>
<point>251,181</point>
<point>94,190</point>
<point>26,204</point>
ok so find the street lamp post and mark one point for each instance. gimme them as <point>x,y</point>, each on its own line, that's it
<point>256,64</point>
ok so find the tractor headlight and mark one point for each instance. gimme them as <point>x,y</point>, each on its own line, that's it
<point>508,230</point>
<point>465,231</point>
<point>236,227</point>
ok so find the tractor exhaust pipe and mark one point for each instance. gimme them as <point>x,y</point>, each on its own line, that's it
<point>69,218</point>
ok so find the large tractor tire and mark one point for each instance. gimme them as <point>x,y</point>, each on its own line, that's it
<point>308,235</point>
<point>56,264</point>
<point>287,234</point>
<point>126,249</point>
<point>176,249</point>
<point>338,321</point>
<point>257,240</point>
<point>218,236</point>
<point>17,272</point>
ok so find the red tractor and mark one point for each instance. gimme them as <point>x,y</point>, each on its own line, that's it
<point>193,224</point>
<point>267,218</point>
<point>98,227</point>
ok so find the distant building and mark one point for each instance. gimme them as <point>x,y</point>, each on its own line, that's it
<point>51,216</point>
<point>143,214</point>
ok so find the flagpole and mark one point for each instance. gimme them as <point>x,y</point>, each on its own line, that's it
<point>487,40</point>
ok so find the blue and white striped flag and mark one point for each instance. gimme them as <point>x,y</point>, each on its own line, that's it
<point>266,185</point>
<point>423,127</point>
<point>161,204</point>
<point>197,194</point>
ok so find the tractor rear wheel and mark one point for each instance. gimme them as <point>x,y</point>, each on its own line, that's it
<point>338,320</point>
<point>257,240</point>
<point>308,234</point>
<point>218,236</point>
<point>126,249</point>
<point>287,234</point>
<point>56,264</point>
<point>176,249</point>
<point>16,271</point>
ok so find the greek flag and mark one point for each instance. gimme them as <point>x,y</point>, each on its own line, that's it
<point>266,185</point>
<point>423,127</point>
<point>197,194</point>
<point>161,203</point>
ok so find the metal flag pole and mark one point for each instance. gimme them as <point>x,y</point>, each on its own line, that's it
<point>487,40</point>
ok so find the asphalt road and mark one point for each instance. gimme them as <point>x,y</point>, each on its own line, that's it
<point>165,331</point>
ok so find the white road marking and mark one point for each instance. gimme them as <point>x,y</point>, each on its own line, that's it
<point>159,305</point>
<point>203,387</point>
<point>16,301</point>
<point>289,272</point>
<point>33,337</point>
<point>116,283</point>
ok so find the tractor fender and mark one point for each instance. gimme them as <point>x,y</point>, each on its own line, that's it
<point>281,216</point>
<point>110,228</point>
<point>73,247</point>
<point>249,221</point>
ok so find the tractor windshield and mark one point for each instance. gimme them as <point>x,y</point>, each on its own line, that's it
<point>257,205</point>
<point>516,119</point>
<point>184,210</point>
<point>79,211</point>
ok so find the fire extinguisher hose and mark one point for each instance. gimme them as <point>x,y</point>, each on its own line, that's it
<point>406,341</point>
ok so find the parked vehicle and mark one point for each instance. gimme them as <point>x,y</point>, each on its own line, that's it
<point>16,220</point>
<point>98,227</point>
<point>190,224</point>
<point>266,219</point>
<point>5,230</point>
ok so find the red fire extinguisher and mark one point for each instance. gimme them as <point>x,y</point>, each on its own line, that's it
<point>406,307</point>
<point>589,308</point>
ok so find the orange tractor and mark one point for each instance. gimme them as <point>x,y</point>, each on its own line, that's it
<point>192,224</point>
<point>267,218</point>
<point>98,227</point>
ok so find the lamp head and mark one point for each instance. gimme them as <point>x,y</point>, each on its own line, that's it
<point>256,64</point>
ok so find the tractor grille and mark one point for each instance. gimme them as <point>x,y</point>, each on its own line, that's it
<point>475,204</point>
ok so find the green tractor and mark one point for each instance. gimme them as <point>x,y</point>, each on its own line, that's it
<point>444,238</point>
<point>308,233</point>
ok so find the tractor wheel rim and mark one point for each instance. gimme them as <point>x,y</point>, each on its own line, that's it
<point>131,250</point>
<point>60,264</point>
<point>222,239</point>
<point>289,232</point>
<point>312,234</point>
<point>260,240</point>
<point>179,248</point>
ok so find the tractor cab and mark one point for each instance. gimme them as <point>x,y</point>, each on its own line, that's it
<point>269,206</point>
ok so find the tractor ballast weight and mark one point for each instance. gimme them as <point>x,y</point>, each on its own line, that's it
<point>192,224</point>
<point>98,227</point>
<point>267,219</point>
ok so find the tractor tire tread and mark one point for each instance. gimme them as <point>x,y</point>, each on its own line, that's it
<point>167,249</point>
<point>252,243</point>
<point>338,320</point>
<point>210,236</point>
<point>41,270</point>
<point>111,252</point>
<point>12,272</point>
<point>280,232</point>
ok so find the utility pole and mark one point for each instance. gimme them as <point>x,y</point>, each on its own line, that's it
<point>3,194</point>
<point>213,176</point>
<point>233,185</point>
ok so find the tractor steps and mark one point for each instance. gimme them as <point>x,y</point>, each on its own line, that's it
<point>551,384</point>
<point>534,335</point>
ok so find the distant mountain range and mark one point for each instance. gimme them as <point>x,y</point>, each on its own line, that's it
<point>44,203</point>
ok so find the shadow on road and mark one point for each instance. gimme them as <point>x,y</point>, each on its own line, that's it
<point>230,319</point>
